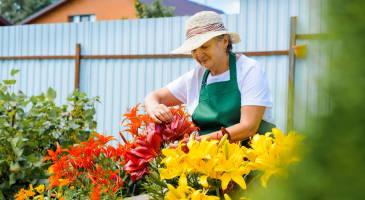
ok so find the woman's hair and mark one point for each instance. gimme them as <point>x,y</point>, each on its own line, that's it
<point>221,37</point>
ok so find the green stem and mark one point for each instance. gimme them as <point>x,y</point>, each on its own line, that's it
<point>251,183</point>
<point>49,193</point>
<point>216,182</point>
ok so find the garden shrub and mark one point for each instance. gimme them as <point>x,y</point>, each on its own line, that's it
<point>29,126</point>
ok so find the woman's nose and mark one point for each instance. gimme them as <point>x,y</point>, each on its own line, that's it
<point>200,54</point>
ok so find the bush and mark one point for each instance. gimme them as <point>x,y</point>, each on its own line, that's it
<point>28,131</point>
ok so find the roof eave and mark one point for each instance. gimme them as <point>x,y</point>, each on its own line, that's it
<point>5,21</point>
<point>42,12</point>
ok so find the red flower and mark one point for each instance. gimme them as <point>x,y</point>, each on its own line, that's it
<point>174,131</point>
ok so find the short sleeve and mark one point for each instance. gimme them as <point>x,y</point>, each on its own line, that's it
<point>254,87</point>
<point>179,89</point>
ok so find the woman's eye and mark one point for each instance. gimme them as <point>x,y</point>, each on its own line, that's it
<point>204,47</point>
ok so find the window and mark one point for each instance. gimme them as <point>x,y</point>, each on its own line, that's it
<point>82,18</point>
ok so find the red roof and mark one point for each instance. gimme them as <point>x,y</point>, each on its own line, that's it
<point>185,7</point>
<point>182,8</point>
<point>4,22</point>
<point>43,11</point>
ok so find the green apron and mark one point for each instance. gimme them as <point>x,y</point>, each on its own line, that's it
<point>220,104</point>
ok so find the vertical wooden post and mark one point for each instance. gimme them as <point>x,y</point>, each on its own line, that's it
<point>77,65</point>
<point>293,32</point>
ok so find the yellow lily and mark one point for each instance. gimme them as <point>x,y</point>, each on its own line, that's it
<point>278,156</point>
<point>233,169</point>
<point>198,195</point>
<point>174,167</point>
<point>204,150</point>
<point>179,193</point>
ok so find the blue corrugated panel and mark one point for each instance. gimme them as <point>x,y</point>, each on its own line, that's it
<point>263,26</point>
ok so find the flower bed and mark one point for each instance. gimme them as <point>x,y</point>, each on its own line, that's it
<point>206,169</point>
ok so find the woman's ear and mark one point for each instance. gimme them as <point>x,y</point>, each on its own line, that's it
<point>225,40</point>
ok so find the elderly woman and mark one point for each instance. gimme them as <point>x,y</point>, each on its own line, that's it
<point>223,90</point>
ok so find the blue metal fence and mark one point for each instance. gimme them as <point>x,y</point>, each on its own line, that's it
<point>263,26</point>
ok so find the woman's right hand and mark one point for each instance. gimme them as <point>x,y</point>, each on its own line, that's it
<point>161,114</point>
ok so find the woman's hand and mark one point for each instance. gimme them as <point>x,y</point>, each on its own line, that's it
<point>161,113</point>
<point>156,104</point>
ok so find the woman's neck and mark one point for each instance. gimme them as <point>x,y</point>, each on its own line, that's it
<point>220,67</point>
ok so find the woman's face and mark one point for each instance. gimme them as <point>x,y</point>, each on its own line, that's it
<point>211,54</point>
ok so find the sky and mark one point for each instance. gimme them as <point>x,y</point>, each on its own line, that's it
<point>227,6</point>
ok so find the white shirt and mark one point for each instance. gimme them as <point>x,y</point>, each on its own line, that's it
<point>251,80</point>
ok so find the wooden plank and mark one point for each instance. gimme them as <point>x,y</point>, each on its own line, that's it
<point>314,36</point>
<point>293,28</point>
<point>263,53</point>
<point>77,65</point>
<point>259,53</point>
<point>35,57</point>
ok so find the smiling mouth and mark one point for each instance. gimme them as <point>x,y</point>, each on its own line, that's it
<point>203,61</point>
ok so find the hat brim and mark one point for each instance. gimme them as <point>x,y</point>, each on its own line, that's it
<point>198,40</point>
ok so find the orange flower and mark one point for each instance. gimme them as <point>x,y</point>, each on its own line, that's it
<point>21,195</point>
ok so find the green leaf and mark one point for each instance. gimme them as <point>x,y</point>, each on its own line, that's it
<point>15,167</point>
<point>33,144</point>
<point>47,125</point>
<point>14,71</point>
<point>1,196</point>
<point>82,95</point>
<point>6,97</point>
<point>52,92</point>
<point>52,114</point>
<point>11,113</point>
<point>90,113</point>
<point>90,103</point>
<point>3,88</point>
<point>76,93</point>
<point>72,125</point>
<point>32,158</point>
<point>18,151</point>
<point>14,142</point>
<point>12,179</point>
<point>2,122</point>
<point>4,185</point>
<point>20,159</point>
<point>9,82</point>
<point>12,103</point>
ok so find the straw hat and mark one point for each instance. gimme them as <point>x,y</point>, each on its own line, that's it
<point>202,27</point>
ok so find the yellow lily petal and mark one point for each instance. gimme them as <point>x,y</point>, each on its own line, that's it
<point>225,180</point>
<point>173,191</point>
<point>226,197</point>
<point>266,176</point>
<point>168,174</point>
<point>183,182</point>
<point>278,134</point>
<point>203,181</point>
<point>239,180</point>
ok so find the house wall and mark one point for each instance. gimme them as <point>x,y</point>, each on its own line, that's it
<point>103,9</point>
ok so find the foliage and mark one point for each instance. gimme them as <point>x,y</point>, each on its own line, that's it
<point>29,126</point>
<point>334,167</point>
<point>92,168</point>
<point>154,10</point>
<point>18,10</point>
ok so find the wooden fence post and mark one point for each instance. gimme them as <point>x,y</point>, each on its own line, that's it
<point>77,65</point>
<point>293,32</point>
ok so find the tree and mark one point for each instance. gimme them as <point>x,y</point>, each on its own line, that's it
<point>18,10</point>
<point>154,10</point>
